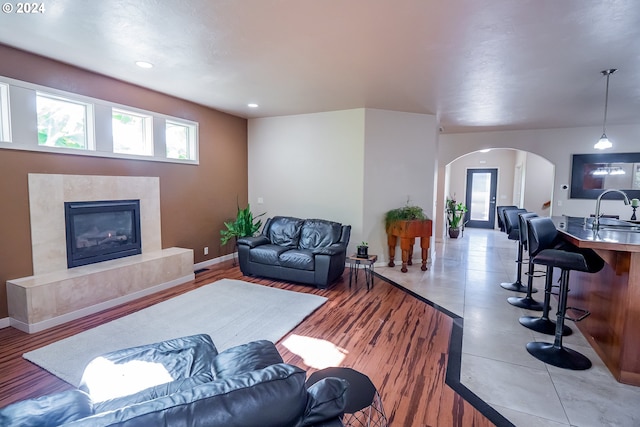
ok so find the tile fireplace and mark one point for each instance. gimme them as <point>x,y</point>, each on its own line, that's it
<point>57,293</point>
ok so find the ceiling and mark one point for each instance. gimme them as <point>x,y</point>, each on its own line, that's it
<point>476,65</point>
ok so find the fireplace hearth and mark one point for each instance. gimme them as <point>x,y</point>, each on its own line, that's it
<point>102,230</point>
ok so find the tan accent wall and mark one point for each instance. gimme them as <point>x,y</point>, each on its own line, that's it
<point>194,200</point>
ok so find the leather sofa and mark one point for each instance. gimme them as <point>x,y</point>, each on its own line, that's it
<point>191,385</point>
<point>310,251</point>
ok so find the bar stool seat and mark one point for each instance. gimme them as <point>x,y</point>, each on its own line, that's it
<point>587,261</point>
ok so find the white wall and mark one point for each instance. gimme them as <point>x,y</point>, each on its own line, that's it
<point>400,164</point>
<point>538,184</point>
<point>555,145</point>
<point>349,166</point>
<point>308,166</point>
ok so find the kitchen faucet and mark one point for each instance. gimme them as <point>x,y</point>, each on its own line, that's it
<point>596,221</point>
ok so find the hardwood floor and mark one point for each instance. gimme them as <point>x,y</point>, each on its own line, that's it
<point>396,339</point>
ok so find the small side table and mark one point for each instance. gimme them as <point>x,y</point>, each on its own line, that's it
<point>367,265</point>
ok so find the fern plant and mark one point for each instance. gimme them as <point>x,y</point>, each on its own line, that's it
<point>245,225</point>
<point>407,212</point>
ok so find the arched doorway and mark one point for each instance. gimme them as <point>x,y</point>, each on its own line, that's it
<point>523,179</point>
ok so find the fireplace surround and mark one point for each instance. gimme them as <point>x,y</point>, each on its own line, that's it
<point>55,293</point>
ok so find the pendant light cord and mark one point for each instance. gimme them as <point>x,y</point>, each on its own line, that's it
<point>606,99</point>
<point>606,104</point>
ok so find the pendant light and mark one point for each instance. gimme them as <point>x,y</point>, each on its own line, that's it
<point>604,143</point>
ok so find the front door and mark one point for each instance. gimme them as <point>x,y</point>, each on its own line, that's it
<point>481,198</point>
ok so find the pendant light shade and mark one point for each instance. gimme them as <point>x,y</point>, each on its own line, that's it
<point>604,143</point>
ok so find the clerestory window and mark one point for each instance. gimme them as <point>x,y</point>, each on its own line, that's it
<point>62,122</point>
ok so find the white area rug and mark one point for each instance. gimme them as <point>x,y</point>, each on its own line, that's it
<point>231,312</point>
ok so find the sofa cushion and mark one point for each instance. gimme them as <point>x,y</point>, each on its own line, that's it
<point>51,410</point>
<point>267,254</point>
<point>319,233</point>
<point>131,370</point>
<point>153,393</point>
<point>285,231</point>
<point>244,358</point>
<point>300,259</point>
<point>271,397</point>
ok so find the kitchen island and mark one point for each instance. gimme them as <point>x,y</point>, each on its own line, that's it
<point>611,295</point>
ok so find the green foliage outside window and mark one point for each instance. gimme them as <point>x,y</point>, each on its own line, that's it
<point>61,123</point>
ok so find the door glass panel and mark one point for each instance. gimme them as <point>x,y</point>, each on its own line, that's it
<point>480,196</point>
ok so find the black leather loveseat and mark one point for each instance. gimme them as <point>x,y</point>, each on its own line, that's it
<point>243,386</point>
<point>311,251</point>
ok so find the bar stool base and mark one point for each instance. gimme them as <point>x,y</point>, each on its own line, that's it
<point>526,302</point>
<point>543,326</point>
<point>561,357</point>
<point>516,287</point>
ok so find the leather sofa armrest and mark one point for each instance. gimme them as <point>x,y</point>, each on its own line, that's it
<point>334,249</point>
<point>245,358</point>
<point>346,235</point>
<point>50,410</point>
<point>326,401</point>
<point>252,242</point>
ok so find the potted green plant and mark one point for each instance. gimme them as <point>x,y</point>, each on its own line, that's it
<point>455,217</point>
<point>363,250</point>
<point>405,213</point>
<point>245,225</point>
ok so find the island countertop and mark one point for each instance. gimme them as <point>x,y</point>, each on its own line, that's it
<point>612,295</point>
<point>580,234</point>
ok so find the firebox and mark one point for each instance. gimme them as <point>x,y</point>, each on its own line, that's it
<point>100,231</point>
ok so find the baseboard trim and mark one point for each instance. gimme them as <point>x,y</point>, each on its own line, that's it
<point>213,261</point>
<point>5,322</point>
<point>59,320</point>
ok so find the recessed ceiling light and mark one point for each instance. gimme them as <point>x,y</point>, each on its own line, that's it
<point>144,64</point>
<point>252,105</point>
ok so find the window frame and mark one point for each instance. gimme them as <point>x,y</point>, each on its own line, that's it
<point>5,113</point>
<point>21,100</point>
<point>147,131</point>
<point>89,120</point>
<point>192,137</point>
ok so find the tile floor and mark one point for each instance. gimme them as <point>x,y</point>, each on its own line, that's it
<point>465,278</point>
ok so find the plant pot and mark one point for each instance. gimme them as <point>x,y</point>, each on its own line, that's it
<point>363,252</point>
<point>454,233</point>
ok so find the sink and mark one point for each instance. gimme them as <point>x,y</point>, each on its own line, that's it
<point>631,227</point>
<point>613,225</point>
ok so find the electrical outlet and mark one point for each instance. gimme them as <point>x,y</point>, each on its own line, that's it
<point>206,250</point>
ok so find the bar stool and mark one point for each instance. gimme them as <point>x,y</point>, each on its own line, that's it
<point>527,301</point>
<point>500,215</point>
<point>587,261</point>
<point>543,235</point>
<point>512,228</point>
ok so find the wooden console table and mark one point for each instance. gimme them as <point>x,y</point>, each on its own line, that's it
<point>408,231</point>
